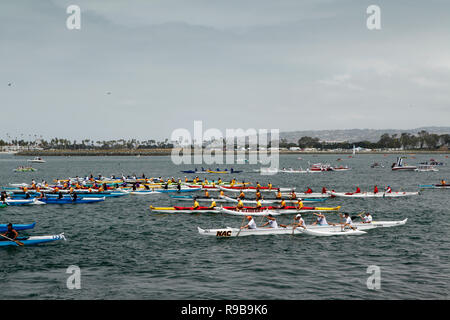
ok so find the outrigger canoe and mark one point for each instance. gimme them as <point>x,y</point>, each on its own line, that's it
<point>435,186</point>
<point>326,230</point>
<point>373,195</point>
<point>311,230</point>
<point>304,195</point>
<point>34,240</point>
<point>178,191</point>
<point>271,201</point>
<point>17,227</point>
<point>69,200</point>
<point>198,198</point>
<point>177,209</point>
<point>254,189</point>
<point>21,202</point>
<point>273,210</point>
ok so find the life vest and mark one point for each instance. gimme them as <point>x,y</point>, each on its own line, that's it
<point>213,204</point>
<point>196,204</point>
<point>283,204</point>
<point>299,204</point>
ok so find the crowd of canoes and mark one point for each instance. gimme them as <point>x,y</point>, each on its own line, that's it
<point>244,199</point>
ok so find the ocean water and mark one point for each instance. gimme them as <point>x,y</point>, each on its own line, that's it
<point>124,252</point>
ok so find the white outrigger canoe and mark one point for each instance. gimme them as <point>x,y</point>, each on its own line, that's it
<point>20,202</point>
<point>373,195</point>
<point>274,212</point>
<point>254,189</point>
<point>304,195</point>
<point>316,230</point>
<point>270,201</point>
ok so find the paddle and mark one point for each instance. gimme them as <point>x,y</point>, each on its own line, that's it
<point>242,224</point>
<point>18,242</point>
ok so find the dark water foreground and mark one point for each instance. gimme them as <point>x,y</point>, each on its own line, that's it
<point>124,252</point>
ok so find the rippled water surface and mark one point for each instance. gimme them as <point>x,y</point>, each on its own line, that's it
<point>124,252</point>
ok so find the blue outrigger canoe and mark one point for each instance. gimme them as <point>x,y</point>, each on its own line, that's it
<point>28,241</point>
<point>17,227</point>
<point>66,195</point>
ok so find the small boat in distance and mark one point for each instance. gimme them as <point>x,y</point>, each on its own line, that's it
<point>400,166</point>
<point>37,160</point>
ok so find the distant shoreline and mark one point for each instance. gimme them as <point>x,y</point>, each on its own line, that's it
<point>167,152</point>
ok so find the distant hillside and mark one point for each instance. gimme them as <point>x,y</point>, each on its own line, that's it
<point>352,135</point>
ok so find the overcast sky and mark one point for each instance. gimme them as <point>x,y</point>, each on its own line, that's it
<point>287,64</point>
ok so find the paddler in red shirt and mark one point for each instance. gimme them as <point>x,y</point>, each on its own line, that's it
<point>358,190</point>
<point>388,189</point>
<point>324,190</point>
<point>309,190</point>
<point>375,190</point>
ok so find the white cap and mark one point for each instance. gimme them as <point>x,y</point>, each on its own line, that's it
<point>298,215</point>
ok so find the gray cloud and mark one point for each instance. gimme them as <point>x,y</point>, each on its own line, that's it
<point>265,64</point>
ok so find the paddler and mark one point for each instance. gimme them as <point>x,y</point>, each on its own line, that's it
<point>3,196</point>
<point>213,204</point>
<point>11,233</point>
<point>278,196</point>
<point>299,204</point>
<point>293,195</point>
<point>321,220</point>
<point>222,193</point>
<point>269,185</point>
<point>298,222</point>
<point>258,186</point>
<point>206,193</point>
<point>240,205</point>
<point>219,181</point>
<point>324,190</point>
<point>74,197</point>
<point>196,204</point>
<point>241,195</point>
<point>309,190</point>
<point>258,205</point>
<point>348,221</point>
<point>258,194</point>
<point>282,204</point>
<point>251,223</point>
<point>388,189</point>
<point>443,183</point>
<point>367,218</point>
<point>272,223</point>
<point>60,195</point>
<point>375,189</point>
<point>358,190</point>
